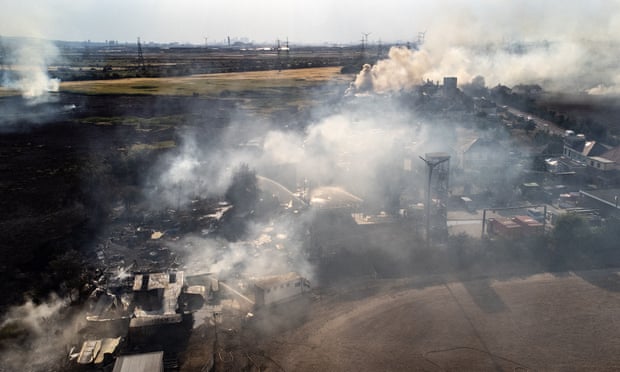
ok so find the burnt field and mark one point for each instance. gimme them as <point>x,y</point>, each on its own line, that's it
<point>67,164</point>
<point>72,161</point>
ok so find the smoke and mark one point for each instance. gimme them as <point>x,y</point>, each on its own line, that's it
<point>269,248</point>
<point>34,335</point>
<point>29,60</point>
<point>557,66</point>
<point>359,149</point>
<point>524,49</point>
<point>402,70</point>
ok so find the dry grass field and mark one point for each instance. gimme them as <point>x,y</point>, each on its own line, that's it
<point>210,84</point>
<point>545,322</point>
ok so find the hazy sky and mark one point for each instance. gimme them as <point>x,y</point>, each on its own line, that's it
<point>308,21</point>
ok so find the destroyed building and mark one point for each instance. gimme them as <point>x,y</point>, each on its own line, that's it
<point>137,310</point>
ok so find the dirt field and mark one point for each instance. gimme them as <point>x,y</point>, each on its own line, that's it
<point>544,322</point>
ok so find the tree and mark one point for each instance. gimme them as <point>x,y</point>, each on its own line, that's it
<point>66,270</point>
<point>243,191</point>
<point>572,238</point>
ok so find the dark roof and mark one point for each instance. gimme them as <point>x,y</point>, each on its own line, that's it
<point>613,154</point>
<point>593,148</point>
<point>586,148</point>
<point>575,143</point>
<point>149,362</point>
<point>607,196</point>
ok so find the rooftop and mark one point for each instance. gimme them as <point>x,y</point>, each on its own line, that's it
<point>270,281</point>
<point>149,362</point>
<point>607,196</point>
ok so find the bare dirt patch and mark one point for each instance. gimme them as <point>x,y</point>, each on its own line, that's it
<point>543,322</point>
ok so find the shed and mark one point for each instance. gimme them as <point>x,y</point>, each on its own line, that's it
<point>148,362</point>
<point>530,225</point>
<point>279,288</point>
<point>504,227</point>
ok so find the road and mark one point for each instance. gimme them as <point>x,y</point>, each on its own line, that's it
<point>541,124</point>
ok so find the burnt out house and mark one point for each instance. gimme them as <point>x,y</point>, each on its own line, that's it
<point>146,311</point>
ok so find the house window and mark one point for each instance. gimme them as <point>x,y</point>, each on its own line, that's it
<point>592,163</point>
<point>598,165</point>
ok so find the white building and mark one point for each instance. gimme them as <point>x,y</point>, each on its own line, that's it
<point>279,288</point>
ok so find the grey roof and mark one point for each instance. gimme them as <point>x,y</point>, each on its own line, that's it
<point>269,281</point>
<point>606,196</point>
<point>149,362</point>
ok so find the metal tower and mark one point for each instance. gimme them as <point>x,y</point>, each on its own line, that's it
<point>436,212</point>
<point>141,64</point>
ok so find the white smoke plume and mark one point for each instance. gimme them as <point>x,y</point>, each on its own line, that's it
<point>402,70</point>
<point>29,60</point>
<point>355,150</point>
<point>557,66</point>
<point>34,336</point>
<point>270,248</point>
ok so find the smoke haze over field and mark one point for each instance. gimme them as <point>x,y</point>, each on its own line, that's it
<point>359,148</point>
<point>28,63</point>
<point>44,331</point>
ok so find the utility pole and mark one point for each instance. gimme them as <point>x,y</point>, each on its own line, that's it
<point>278,50</point>
<point>141,63</point>
<point>365,41</point>
<point>427,205</point>
<point>421,36</point>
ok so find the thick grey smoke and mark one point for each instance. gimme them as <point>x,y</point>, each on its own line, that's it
<point>28,60</point>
